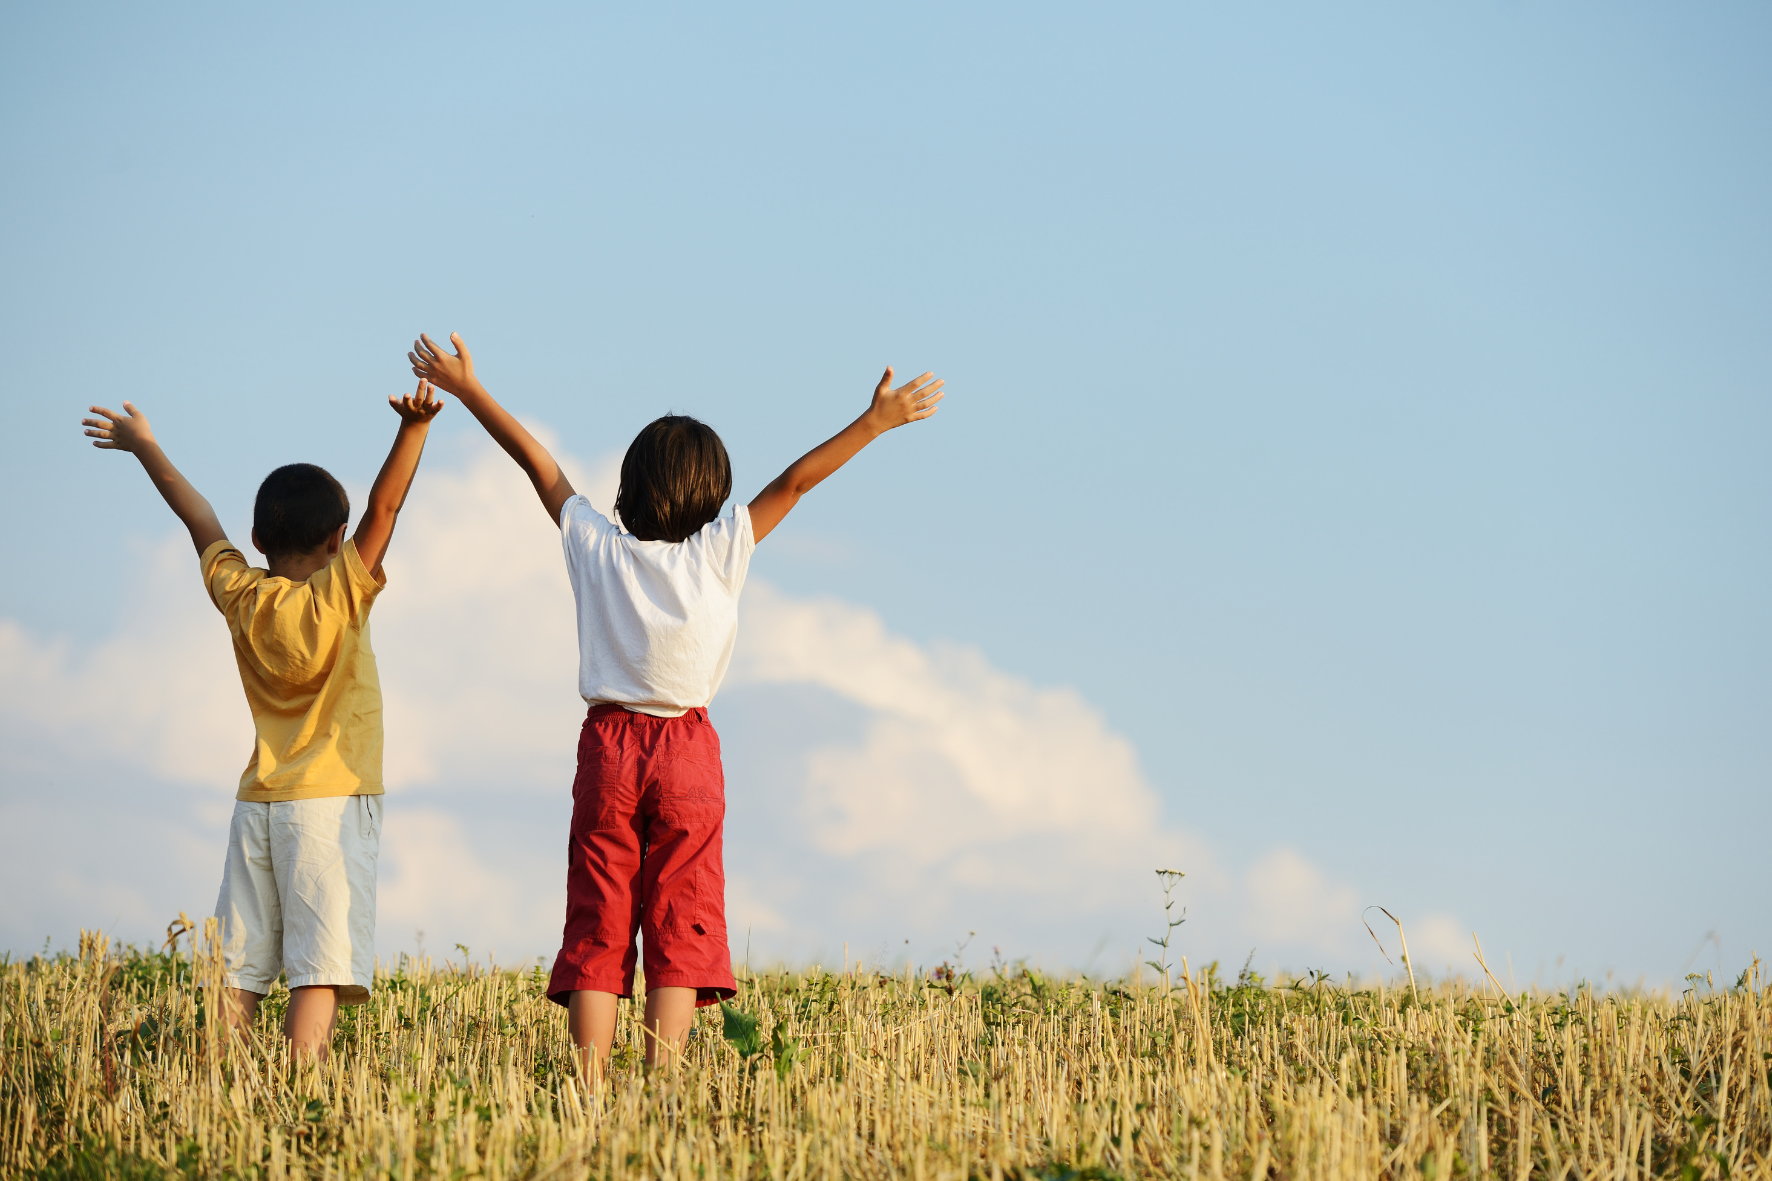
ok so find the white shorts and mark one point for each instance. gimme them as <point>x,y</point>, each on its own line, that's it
<point>298,894</point>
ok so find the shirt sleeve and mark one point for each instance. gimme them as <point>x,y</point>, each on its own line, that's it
<point>226,575</point>
<point>582,529</point>
<point>734,543</point>
<point>346,585</point>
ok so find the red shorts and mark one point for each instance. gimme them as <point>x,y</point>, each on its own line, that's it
<point>647,807</point>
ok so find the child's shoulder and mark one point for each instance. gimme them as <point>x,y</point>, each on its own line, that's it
<point>347,574</point>
<point>343,586</point>
<point>219,552</point>
<point>585,527</point>
<point>343,589</point>
<point>732,527</point>
<point>226,568</point>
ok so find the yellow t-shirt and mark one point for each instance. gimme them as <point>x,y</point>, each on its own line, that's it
<point>309,674</point>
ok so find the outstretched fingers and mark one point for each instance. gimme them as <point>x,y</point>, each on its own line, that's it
<point>432,361</point>
<point>436,352</point>
<point>425,400</point>
<point>913,400</point>
<point>926,406</point>
<point>425,351</point>
<point>915,383</point>
<point>99,429</point>
<point>920,396</point>
<point>419,406</point>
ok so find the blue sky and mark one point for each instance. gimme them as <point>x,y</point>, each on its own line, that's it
<point>1363,413</point>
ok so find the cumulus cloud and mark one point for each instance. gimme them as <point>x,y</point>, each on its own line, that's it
<point>162,689</point>
<point>968,788</point>
<point>1438,943</point>
<point>432,878</point>
<point>475,636</point>
<point>883,792</point>
<point>1290,901</point>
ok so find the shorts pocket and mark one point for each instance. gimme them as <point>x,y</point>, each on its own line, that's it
<point>691,778</point>
<point>604,791</point>
<point>685,864</point>
<point>681,907</point>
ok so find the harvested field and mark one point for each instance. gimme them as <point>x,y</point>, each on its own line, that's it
<point>110,1069</point>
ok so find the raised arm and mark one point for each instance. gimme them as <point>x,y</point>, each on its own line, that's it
<point>455,372</point>
<point>388,494</point>
<point>911,401</point>
<point>130,432</point>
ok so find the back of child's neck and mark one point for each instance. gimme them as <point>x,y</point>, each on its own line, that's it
<point>299,567</point>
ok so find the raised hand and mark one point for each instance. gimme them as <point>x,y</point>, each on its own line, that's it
<point>419,406</point>
<point>447,371</point>
<point>130,432</point>
<point>111,431</point>
<point>913,400</point>
<point>454,372</point>
<point>388,494</point>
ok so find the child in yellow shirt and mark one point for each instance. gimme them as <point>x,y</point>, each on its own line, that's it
<point>298,888</point>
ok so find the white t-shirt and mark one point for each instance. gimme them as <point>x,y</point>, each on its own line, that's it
<point>656,619</point>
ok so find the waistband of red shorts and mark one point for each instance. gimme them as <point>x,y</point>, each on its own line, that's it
<point>699,713</point>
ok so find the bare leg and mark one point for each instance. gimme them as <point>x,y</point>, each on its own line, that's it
<point>670,1011</point>
<point>313,1011</point>
<point>590,1018</point>
<point>240,1009</point>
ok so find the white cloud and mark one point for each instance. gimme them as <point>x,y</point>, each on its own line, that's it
<point>966,778</point>
<point>475,635</point>
<point>1290,901</point>
<point>97,862</point>
<point>880,790</point>
<point>1032,759</point>
<point>1439,944</point>
<point>162,689</point>
<point>431,878</point>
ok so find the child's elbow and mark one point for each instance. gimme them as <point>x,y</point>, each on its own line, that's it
<point>381,512</point>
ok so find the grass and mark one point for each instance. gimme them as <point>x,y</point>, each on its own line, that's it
<point>112,1068</point>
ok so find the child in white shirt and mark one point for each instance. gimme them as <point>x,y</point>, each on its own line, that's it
<point>657,618</point>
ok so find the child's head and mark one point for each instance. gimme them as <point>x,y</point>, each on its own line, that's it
<point>674,479</point>
<point>299,509</point>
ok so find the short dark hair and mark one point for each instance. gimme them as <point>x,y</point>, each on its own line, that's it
<point>298,507</point>
<point>674,479</point>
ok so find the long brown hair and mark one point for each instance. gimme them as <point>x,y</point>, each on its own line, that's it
<point>674,479</point>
